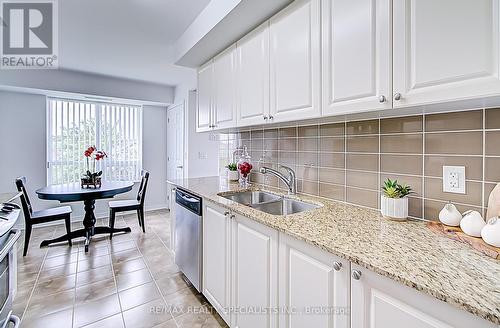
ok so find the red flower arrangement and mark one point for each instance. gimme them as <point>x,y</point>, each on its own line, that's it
<point>93,178</point>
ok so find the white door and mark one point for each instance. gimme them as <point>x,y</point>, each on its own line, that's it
<point>204,120</point>
<point>380,302</point>
<point>357,56</point>
<point>216,258</point>
<point>252,53</point>
<point>295,61</point>
<point>224,89</point>
<point>255,273</point>
<point>311,287</point>
<point>445,50</point>
<point>175,142</point>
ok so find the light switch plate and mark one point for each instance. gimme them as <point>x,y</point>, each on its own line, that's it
<point>454,179</point>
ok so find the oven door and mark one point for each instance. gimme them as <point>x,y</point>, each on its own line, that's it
<point>7,275</point>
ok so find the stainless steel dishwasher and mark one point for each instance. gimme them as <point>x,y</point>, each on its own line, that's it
<point>188,236</point>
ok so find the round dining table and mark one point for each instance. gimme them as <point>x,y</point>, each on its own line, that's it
<point>73,192</point>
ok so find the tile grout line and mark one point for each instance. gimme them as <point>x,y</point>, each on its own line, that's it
<point>424,119</point>
<point>484,165</point>
<point>345,162</point>
<point>379,179</point>
<point>114,279</point>
<point>36,279</point>
<point>153,278</point>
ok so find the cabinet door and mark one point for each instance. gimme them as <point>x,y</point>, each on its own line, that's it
<point>313,292</point>
<point>216,258</point>
<point>205,90</point>
<point>224,85</point>
<point>379,302</point>
<point>255,273</point>
<point>357,62</point>
<point>295,61</point>
<point>253,77</point>
<point>445,50</point>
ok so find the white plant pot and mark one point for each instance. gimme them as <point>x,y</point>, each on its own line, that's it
<point>394,208</point>
<point>232,175</point>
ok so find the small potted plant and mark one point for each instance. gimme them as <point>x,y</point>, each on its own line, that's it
<point>232,172</point>
<point>92,178</point>
<point>394,200</point>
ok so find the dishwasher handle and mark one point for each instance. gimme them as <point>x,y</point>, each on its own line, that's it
<point>188,201</point>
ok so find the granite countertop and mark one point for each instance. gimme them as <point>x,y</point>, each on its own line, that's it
<point>407,252</point>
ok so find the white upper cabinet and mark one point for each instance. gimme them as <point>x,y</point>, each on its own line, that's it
<point>445,50</point>
<point>255,273</point>
<point>205,86</point>
<point>295,62</point>
<point>252,53</point>
<point>313,285</point>
<point>380,302</point>
<point>357,56</point>
<point>225,88</point>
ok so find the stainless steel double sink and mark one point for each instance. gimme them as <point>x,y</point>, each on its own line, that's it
<point>270,203</point>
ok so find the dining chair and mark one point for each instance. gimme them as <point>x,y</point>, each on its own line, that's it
<point>130,204</point>
<point>36,217</point>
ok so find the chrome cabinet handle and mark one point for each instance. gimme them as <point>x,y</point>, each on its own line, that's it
<point>356,274</point>
<point>397,96</point>
<point>226,213</point>
<point>232,217</point>
<point>381,99</point>
<point>271,117</point>
<point>337,265</point>
<point>265,118</point>
<point>15,320</point>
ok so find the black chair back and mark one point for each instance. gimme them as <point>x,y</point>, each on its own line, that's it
<point>141,194</point>
<point>25,201</point>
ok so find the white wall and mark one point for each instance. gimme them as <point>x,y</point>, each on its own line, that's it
<point>23,144</point>
<point>154,155</point>
<point>205,143</point>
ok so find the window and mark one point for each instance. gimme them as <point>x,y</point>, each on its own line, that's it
<point>74,125</point>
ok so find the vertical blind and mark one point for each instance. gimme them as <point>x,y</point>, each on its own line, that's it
<point>74,125</point>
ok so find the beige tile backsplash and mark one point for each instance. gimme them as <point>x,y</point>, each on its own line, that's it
<point>349,161</point>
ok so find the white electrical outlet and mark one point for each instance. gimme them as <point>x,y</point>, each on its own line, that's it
<point>454,179</point>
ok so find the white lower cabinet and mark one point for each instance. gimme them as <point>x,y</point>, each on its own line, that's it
<point>217,258</point>
<point>257,277</point>
<point>313,286</point>
<point>255,274</point>
<point>379,302</point>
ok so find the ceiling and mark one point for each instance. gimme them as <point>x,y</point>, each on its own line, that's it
<point>130,39</point>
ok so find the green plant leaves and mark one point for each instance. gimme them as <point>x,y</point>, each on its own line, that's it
<point>393,189</point>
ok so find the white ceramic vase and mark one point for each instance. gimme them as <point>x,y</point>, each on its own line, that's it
<point>450,216</point>
<point>394,208</point>
<point>472,223</point>
<point>491,232</point>
<point>232,175</point>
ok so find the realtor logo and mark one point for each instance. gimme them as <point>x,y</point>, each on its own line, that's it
<point>29,34</point>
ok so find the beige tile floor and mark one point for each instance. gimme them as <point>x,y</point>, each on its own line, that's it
<point>131,281</point>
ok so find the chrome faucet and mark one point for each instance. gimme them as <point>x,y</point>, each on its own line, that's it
<point>289,181</point>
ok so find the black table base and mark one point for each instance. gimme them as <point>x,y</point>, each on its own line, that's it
<point>89,229</point>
